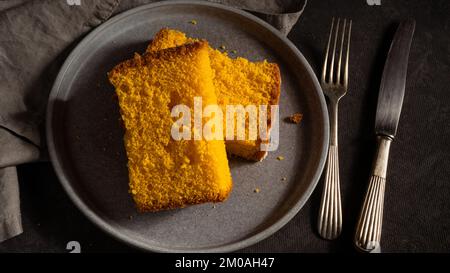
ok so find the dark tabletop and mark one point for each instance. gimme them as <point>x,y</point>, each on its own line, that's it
<point>417,204</point>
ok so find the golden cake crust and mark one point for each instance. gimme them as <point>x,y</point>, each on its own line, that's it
<point>151,56</point>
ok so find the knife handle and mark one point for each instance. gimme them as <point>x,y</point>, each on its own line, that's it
<point>368,230</point>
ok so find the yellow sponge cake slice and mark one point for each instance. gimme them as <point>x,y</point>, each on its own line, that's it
<point>165,173</point>
<point>237,82</point>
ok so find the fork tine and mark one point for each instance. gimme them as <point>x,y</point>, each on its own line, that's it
<point>347,55</point>
<point>334,52</point>
<point>324,70</point>
<point>338,80</point>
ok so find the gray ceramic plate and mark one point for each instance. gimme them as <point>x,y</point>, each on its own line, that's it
<point>86,147</point>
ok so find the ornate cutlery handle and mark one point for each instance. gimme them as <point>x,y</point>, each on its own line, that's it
<point>330,217</point>
<point>368,230</point>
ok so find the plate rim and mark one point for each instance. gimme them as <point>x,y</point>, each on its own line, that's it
<point>107,227</point>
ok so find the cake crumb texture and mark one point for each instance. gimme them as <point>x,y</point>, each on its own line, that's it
<point>237,82</point>
<point>165,173</point>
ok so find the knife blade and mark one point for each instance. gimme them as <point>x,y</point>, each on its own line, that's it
<point>392,88</point>
<point>390,100</point>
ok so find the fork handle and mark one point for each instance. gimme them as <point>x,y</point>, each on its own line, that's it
<point>330,217</point>
<point>368,230</point>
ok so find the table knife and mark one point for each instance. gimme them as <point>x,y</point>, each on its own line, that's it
<point>390,100</point>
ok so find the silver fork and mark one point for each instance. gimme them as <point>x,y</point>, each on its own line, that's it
<point>334,87</point>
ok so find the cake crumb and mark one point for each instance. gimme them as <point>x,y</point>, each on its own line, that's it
<point>234,51</point>
<point>222,47</point>
<point>193,22</point>
<point>283,179</point>
<point>257,190</point>
<point>295,118</point>
<point>280,158</point>
<point>214,206</point>
<point>130,217</point>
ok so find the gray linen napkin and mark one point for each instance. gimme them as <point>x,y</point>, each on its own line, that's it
<point>35,36</point>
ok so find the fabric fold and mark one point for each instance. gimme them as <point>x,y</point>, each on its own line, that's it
<point>10,217</point>
<point>33,36</point>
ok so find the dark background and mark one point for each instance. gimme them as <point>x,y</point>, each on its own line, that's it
<point>417,204</point>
